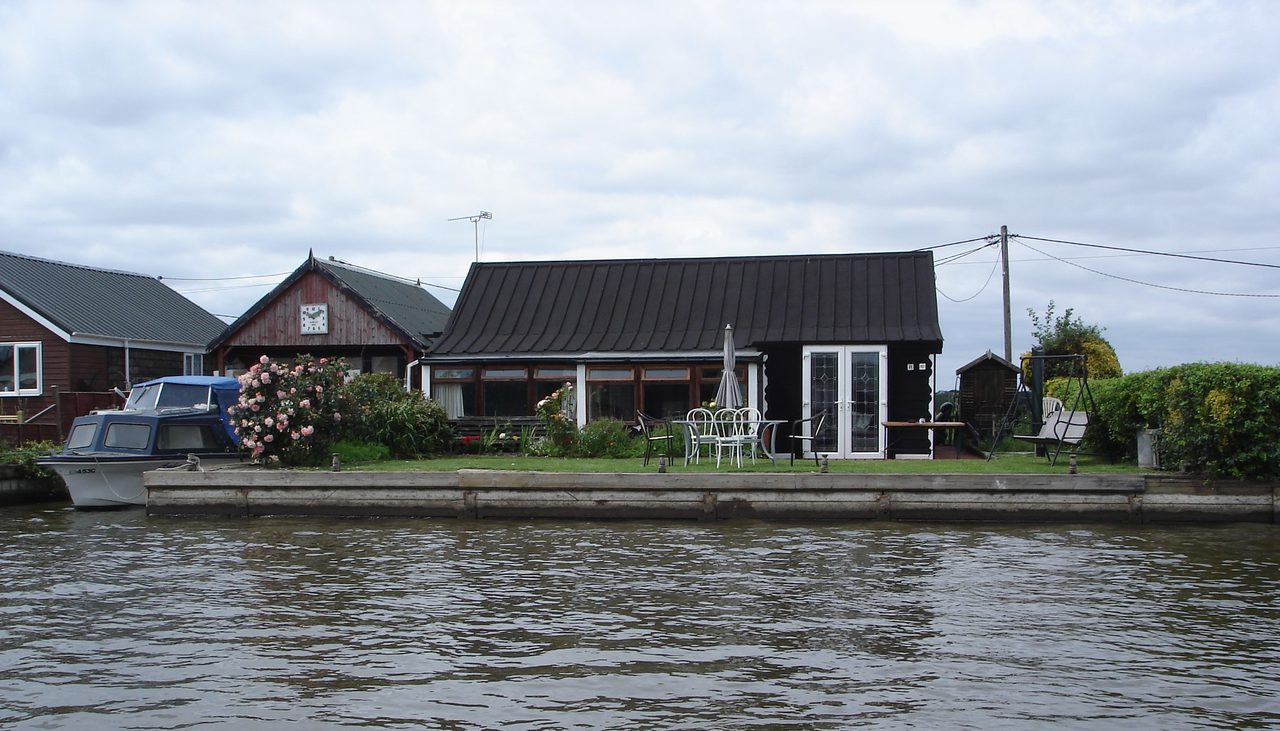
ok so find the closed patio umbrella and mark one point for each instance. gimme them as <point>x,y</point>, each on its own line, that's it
<point>729,395</point>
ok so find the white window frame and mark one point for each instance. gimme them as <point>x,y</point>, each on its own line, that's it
<point>20,392</point>
<point>193,364</point>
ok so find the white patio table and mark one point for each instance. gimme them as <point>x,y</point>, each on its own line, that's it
<point>766,437</point>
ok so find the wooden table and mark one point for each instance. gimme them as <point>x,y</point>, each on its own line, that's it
<point>935,425</point>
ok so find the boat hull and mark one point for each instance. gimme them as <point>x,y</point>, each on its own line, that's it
<point>108,481</point>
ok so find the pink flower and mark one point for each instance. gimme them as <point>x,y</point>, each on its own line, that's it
<point>294,435</point>
<point>337,416</point>
<point>304,403</point>
<point>319,389</point>
<point>264,360</point>
<point>269,438</point>
<point>292,391</point>
<point>308,430</point>
<point>255,407</point>
<point>268,422</point>
<point>266,378</point>
<point>323,361</point>
<point>280,394</point>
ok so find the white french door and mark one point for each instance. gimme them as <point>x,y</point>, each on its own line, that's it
<point>849,383</point>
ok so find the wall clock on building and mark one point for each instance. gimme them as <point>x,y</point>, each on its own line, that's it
<point>315,319</point>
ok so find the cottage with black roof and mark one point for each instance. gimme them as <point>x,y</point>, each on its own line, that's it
<point>66,328</point>
<point>852,334</point>
<point>328,308</point>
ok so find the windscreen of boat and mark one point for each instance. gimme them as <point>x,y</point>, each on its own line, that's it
<point>143,397</point>
<point>169,395</point>
<point>123,435</point>
<point>185,437</point>
<point>82,436</point>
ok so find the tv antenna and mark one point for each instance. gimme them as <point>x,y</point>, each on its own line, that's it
<point>475,220</point>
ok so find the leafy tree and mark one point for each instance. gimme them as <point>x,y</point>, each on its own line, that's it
<point>1067,334</point>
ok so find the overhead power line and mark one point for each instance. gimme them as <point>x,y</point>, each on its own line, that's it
<point>1138,281</point>
<point>1145,251</point>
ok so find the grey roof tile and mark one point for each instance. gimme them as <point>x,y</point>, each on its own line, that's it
<point>669,305</point>
<point>102,302</point>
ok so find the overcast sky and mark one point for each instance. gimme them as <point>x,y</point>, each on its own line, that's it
<point>213,140</point>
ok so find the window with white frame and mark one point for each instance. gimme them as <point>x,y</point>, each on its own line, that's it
<point>20,369</point>
<point>193,364</point>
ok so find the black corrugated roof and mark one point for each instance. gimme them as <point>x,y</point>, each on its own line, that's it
<point>102,302</point>
<point>401,304</point>
<point>673,305</point>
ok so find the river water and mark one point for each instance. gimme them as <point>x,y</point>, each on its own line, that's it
<point>117,620</point>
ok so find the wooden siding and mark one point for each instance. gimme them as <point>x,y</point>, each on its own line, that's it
<point>986,392</point>
<point>17,327</point>
<point>278,325</point>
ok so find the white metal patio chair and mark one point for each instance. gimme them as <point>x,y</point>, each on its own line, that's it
<point>701,430</point>
<point>739,431</point>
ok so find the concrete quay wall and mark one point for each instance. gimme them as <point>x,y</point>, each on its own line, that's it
<point>788,496</point>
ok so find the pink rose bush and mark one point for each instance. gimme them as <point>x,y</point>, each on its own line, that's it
<point>276,426</point>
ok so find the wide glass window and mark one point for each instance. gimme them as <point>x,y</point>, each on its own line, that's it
<point>506,392</point>
<point>127,436</point>
<point>455,390</point>
<point>81,436</point>
<point>611,394</point>
<point>549,379</point>
<point>20,369</point>
<point>665,392</point>
<point>183,437</point>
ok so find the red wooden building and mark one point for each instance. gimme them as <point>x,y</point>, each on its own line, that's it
<point>328,308</point>
<point>69,334</point>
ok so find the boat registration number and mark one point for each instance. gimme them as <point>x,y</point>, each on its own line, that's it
<point>84,471</point>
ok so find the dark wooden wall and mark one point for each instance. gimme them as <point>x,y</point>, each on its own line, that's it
<point>278,325</point>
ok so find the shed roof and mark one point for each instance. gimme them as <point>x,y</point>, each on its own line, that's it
<point>86,301</point>
<point>403,305</point>
<point>682,305</point>
<point>987,357</point>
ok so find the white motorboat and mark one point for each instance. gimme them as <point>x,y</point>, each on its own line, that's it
<point>171,422</point>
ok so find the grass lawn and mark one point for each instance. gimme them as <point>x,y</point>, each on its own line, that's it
<point>1006,463</point>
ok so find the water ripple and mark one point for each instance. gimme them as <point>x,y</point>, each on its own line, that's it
<point>114,620</point>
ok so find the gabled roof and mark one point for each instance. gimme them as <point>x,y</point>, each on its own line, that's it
<point>81,303</point>
<point>682,305</point>
<point>988,357</point>
<point>403,305</point>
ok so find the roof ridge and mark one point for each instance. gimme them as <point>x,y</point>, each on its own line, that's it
<point>71,265</point>
<point>332,261</point>
<point>701,259</point>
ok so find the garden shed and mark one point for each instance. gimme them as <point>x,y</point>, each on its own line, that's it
<point>988,386</point>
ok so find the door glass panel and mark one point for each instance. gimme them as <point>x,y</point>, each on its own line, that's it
<point>824,377</point>
<point>864,393</point>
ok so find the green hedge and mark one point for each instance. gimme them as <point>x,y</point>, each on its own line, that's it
<point>1217,418</point>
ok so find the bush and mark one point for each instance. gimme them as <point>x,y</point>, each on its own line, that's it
<point>289,414</point>
<point>382,412</point>
<point>606,438</point>
<point>556,412</point>
<point>1218,418</point>
<point>24,458</point>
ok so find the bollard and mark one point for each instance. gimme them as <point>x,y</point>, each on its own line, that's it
<point>662,464</point>
<point>1071,465</point>
<point>336,466</point>
<point>824,468</point>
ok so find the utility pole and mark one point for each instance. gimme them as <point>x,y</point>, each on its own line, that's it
<point>475,220</point>
<point>1004,265</point>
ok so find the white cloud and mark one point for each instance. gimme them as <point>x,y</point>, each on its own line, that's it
<point>252,132</point>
